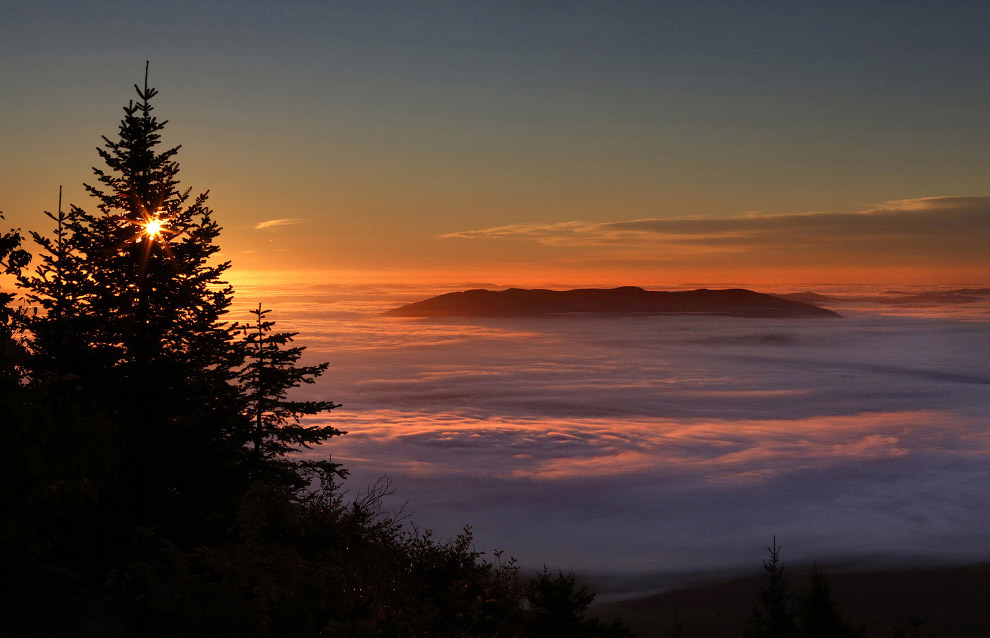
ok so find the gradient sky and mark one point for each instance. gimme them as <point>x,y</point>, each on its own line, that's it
<point>614,142</point>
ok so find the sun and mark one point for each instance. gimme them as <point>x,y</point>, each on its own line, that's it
<point>153,228</point>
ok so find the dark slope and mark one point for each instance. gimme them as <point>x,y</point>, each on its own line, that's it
<point>949,601</point>
<point>517,302</point>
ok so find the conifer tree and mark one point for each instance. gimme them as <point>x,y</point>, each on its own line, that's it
<point>133,301</point>
<point>20,447</point>
<point>820,616</point>
<point>772,616</point>
<point>272,370</point>
<point>66,447</point>
<point>54,291</point>
<point>150,253</point>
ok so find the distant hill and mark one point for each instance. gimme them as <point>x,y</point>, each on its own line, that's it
<point>627,300</point>
<point>948,601</point>
<point>924,298</point>
<point>896,298</point>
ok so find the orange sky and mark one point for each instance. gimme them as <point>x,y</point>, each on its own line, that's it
<point>931,241</point>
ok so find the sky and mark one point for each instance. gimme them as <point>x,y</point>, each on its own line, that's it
<point>609,143</point>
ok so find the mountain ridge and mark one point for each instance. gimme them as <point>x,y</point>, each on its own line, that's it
<point>624,300</point>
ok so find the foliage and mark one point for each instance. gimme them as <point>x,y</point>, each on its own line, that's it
<point>557,606</point>
<point>12,259</point>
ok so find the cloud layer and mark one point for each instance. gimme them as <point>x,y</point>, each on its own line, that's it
<point>666,443</point>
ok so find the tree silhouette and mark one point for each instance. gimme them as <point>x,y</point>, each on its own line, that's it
<point>12,259</point>
<point>271,372</point>
<point>557,607</point>
<point>66,356</point>
<point>133,372</point>
<point>772,616</point>
<point>820,616</point>
<point>12,354</point>
<point>149,302</point>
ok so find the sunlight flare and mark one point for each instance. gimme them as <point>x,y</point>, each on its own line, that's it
<point>153,228</point>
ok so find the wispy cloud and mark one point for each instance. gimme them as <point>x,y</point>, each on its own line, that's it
<point>285,221</point>
<point>951,228</point>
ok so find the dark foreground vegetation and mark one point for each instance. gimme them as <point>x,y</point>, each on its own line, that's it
<point>148,485</point>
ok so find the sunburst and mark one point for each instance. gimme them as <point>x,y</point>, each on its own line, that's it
<point>153,228</point>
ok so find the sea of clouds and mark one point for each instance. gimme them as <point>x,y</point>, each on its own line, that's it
<point>664,444</point>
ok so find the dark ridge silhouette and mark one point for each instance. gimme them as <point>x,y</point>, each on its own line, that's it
<point>627,300</point>
<point>951,297</point>
<point>897,297</point>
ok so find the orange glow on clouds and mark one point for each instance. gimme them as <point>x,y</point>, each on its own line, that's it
<point>706,450</point>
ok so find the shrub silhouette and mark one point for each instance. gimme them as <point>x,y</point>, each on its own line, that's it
<point>557,605</point>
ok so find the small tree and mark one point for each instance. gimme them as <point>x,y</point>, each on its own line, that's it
<point>271,372</point>
<point>772,616</point>
<point>557,605</point>
<point>820,616</point>
<point>59,356</point>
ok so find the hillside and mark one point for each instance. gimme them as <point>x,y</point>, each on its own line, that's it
<point>944,601</point>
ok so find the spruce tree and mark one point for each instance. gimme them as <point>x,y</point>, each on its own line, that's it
<point>133,437</point>
<point>271,372</point>
<point>59,355</point>
<point>132,303</point>
<point>820,615</point>
<point>68,446</point>
<point>772,616</point>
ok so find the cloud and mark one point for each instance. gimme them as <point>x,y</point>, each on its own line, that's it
<point>944,229</point>
<point>689,452</point>
<point>272,223</point>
